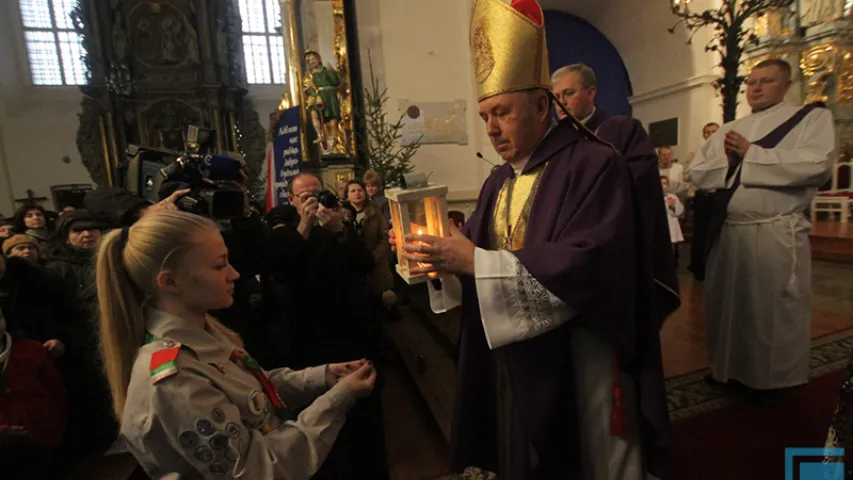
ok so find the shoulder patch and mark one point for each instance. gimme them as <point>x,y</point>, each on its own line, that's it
<point>163,362</point>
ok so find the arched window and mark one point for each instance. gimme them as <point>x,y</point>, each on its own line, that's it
<point>54,48</point>
<point>263,45</point>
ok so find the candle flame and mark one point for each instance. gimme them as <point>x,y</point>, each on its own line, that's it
<point>420,232</point>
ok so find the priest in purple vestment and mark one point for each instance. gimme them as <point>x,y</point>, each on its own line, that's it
<point>559,367</point>
<point>575,87</point>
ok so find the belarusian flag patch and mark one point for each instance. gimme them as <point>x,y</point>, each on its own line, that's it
<point>163,363</point>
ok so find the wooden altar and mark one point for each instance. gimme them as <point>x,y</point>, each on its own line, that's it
<point>162,65</point>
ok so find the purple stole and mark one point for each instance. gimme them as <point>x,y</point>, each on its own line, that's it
<point>722,197</point>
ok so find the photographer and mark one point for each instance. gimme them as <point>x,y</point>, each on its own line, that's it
<point>324,266</point>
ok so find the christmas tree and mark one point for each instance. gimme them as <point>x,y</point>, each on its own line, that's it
<point>382,138</point>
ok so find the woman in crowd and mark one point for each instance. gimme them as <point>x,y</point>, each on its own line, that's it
<point>373,185</point>
<point>7,228</point>
<point>373,229</point>
<point>190,399</point>
<point>23,246</point>
<point>32,220</point>
<point>74,244</point>
<point>92,429</point>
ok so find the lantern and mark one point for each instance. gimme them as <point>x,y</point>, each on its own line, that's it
<point>421,210</point>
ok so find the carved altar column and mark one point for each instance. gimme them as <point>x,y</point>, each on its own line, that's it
<point>827,65</point>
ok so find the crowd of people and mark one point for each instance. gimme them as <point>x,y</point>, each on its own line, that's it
<point>331,267</point>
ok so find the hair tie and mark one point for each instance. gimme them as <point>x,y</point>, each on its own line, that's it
<point>125,232</point>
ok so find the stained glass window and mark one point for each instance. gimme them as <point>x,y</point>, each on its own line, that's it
<point>54,48</point>
<point>263,46</point>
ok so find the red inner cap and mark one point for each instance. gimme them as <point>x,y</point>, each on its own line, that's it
<point>530,9</point>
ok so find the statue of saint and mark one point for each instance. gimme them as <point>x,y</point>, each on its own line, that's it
<point>320,87</point>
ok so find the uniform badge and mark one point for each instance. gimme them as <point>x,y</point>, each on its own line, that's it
<point>218,415</point>
<point>256,401</point>
<point>163,362</point>
<point>218,469</point>
<point>233,430</point>
<point>231,455</point>
<point>188,439</point>
<point>204,427</point>
<point>204,454</point>
<point>219,442</point>
<point>218,366</point>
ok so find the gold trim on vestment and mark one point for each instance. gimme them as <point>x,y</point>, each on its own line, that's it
<point>512,209</point>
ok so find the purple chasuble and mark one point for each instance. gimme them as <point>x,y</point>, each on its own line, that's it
<point>582,244</point>
<point>627,135</point>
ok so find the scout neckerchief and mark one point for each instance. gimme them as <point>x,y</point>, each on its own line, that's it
<point>242,358</point>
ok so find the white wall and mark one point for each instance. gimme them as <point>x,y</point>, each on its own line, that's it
<point>427,60</point>
<point>669,77</point>
<point>38,125</point>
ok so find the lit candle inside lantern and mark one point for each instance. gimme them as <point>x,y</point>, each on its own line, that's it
<point>421,232</point>
<point>420,264</point>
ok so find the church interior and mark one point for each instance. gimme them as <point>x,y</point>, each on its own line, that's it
<point>106,94</point>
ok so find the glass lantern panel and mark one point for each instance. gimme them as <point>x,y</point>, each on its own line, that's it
<point>418,217</point>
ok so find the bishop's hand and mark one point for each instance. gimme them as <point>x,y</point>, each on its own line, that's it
<point>453,254</point>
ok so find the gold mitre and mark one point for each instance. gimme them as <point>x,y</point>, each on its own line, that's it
<point>508,47</point>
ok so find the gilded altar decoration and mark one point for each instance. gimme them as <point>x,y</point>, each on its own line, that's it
<point>823,11</point>
<point>845,78</point>
<point>345,142</point>
<point>156,66</point>
<point>823,68</point>
<point>773,23</point>
<point>510,47</point>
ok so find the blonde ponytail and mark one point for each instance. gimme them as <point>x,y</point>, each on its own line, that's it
<point>122,326</point>
<point>126,270</point>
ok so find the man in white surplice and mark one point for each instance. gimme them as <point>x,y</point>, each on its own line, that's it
<point>758,276</point>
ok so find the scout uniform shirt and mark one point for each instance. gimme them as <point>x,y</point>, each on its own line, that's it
<point>194,410</point>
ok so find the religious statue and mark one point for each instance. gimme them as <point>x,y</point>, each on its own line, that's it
<point>821,11</point>
<point>320,87</point>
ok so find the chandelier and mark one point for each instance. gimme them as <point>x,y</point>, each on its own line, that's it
<point>680,5</point>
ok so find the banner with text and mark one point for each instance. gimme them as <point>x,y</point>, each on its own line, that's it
<point>286,156</point>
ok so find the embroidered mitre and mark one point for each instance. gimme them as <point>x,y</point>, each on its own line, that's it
<point>508,47</point>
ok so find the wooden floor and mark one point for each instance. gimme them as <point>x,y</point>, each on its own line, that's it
<point>832,241</point>
<point>684,340</point>
<point>832,229</point>
<point>414,443</point>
